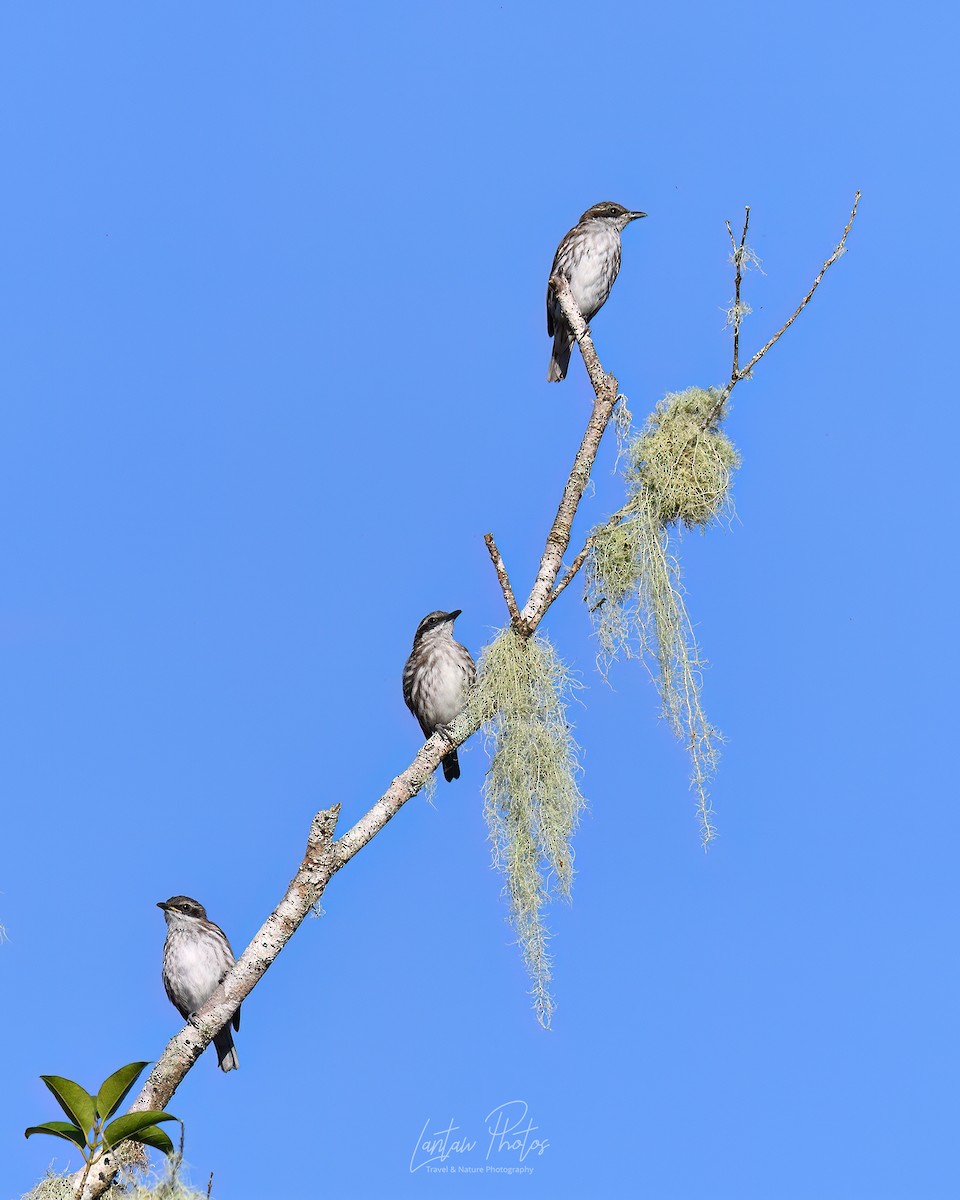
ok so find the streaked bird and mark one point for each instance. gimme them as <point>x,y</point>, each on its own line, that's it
<point>196,957</point>
<point>437,677</point>
<point>589,256</point>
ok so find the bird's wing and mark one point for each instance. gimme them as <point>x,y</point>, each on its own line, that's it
<point>553,313</point>
<point>553,309</point>
<point>173,1000</point>
<point>236,1016</point>
<point>408,685</point>
<point>408,678</point>
<point>409,675</point>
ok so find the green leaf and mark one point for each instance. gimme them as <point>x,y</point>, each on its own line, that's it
<point>75,1101</point>
<point>130,1125</point>
<point>113,1091</point>
<point>62,1129</point>
<point>152,1136</point>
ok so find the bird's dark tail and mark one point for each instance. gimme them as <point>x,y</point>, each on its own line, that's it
<point>560,359</point>
<point>451,766</point>
<point>226,1051</point>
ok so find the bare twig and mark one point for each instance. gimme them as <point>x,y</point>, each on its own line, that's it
<point>572,569</point>
<point>611,523</point>
<point>806,300</point>
<point>739,372</point>
<point>505,585</point>
<point>737,310</point>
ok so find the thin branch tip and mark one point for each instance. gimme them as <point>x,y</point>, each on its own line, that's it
<point>739,310</point>
<point>504,579</point>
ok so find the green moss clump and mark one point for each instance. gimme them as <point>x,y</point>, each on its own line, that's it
<point>682,461</point>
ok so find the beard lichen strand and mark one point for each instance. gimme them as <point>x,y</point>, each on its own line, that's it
<point>678,470</point>
<point>532,802</point>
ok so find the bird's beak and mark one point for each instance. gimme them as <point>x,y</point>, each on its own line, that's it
<point>633,216</point>
<point>456,613</point>
<point>162,904</point>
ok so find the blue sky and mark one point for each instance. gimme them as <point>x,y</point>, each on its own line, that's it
<point>274,358</point>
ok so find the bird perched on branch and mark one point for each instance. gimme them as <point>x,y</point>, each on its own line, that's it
<point>437,677</point>
<point>196,957</point>
<point>589,256</point>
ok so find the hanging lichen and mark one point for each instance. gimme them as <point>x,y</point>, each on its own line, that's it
<point>532,803</point>
<point>682,461</point>
<point>677,471</point>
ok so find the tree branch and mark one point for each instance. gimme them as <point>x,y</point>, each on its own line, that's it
<point>806,300</point>
<point>606,389</point>
<point>737,310</point>
<point>324,856</point>
<point>403,788</point>
<point>739,372</point>
<point>321,861</point>
<point>572,570</point>
<point>182,1051</point>
<point>543,593</point>
<point>611,523</point>
<point>505,585</point>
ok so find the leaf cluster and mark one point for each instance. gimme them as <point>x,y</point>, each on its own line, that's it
<point>90,1127</point>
